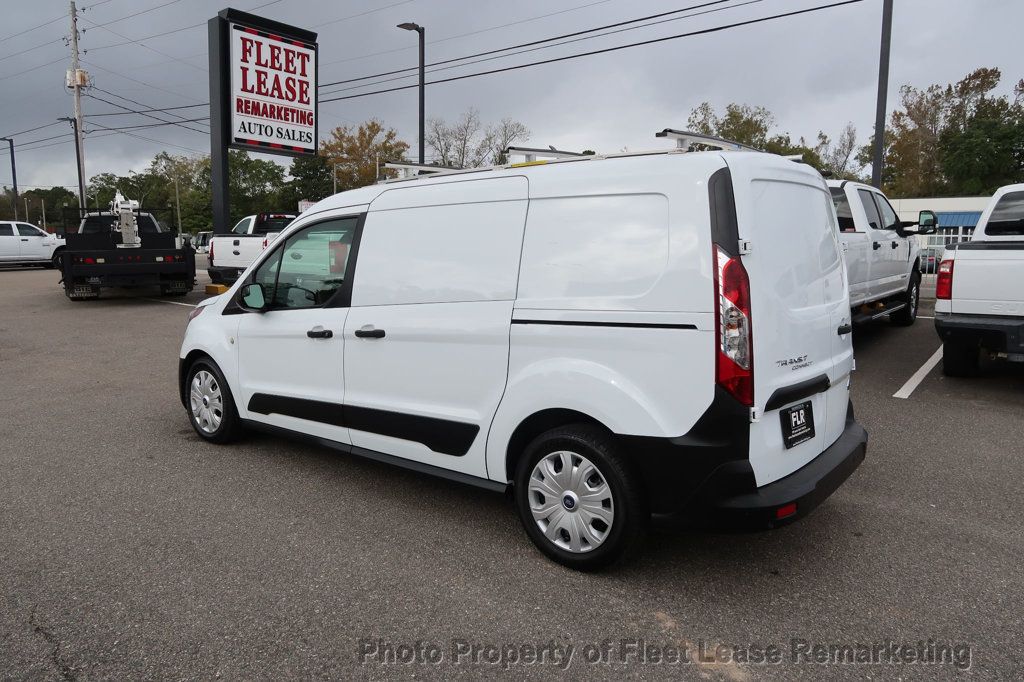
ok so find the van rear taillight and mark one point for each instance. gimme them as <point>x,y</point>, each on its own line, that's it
<point>734,363</point>
<point>944,282</point>
<point>209,252</point>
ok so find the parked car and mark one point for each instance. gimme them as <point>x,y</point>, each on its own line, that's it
<point>979,291</point>
<point>28,245</point>
<point>609,337</point>
<point>929,260</point>
<point>882,254</point>
<point>230,254</point>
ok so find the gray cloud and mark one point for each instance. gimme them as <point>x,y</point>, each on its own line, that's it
<point>815,72</point>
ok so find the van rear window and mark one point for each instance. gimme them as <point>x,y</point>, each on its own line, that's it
<point>843,211</point>
<point>1007,217</point>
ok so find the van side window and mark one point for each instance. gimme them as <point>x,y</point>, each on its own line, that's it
<point>874,220</point>
<point>843,210</point>
<point>440,254</point>
<point>310,267</point>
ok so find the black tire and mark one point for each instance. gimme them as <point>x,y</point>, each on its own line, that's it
<point>230,425</point>
<point>631,516</point>
<point>960,358</point>
<point>912,297</point>
<point>57,261</point>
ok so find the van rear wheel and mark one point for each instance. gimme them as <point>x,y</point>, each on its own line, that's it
<point>578,499</point>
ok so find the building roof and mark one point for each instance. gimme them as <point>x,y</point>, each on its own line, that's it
<point>958,218</point>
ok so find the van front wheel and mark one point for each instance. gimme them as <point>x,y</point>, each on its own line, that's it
<point>578,500</point>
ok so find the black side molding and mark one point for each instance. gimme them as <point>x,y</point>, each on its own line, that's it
<point>440,435</point>
<point>791,394</point>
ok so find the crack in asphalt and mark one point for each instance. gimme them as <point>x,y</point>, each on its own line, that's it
<point>65,670</point>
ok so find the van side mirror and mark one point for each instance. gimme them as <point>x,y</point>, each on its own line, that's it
<point>253,298</point>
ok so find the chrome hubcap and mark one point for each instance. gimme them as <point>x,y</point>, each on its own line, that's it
<point>206,400</point>
<point>570,501</point>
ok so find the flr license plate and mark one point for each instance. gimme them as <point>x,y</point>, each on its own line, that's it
<point>797,424</point>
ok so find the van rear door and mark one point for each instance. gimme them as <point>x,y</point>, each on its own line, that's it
<point>798,300</point>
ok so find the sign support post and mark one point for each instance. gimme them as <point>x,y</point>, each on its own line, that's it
<point>263,95</point>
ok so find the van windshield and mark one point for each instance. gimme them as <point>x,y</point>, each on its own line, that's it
<point>1007,217</point>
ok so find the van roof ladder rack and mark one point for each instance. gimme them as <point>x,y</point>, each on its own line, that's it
<point>411,170</point>
<point>532,154</point>
<point>685,138</point>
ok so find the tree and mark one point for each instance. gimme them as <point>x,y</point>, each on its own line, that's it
<point>357,152</point>
<point>466,144</point>
<point>752,126</point>
<point>311,178</point>
<point>954,139</point>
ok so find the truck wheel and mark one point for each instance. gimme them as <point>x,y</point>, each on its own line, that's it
<point>211,409</point>
<point>960,358</point>
<point>578,500</point>
<point>906,316</point>
<point>57,261</point>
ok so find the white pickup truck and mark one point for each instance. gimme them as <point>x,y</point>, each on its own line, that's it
<point>230,254</point>
<point>979,307</point>
<point>882,254</point>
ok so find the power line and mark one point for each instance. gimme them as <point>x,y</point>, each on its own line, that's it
<point>148,139</point>
<point>155,118</point>
<point>156,125</point>
<point>145,111</point>
<point>137,102</point>
<point>34,68</point>
<point>557,44</point>
<point>144,45</point>
<point>136,80</point>
<point>536,42</point>
<point>22,132</point>
<point>29,30</point>
<point>652,41</point>
<point>470,33</point>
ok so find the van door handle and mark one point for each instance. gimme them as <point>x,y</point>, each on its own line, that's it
<point>894,245</point>
<point>370,333</point>
<point>845,329</point>
<point>319,333</point>
<point>876,246</point>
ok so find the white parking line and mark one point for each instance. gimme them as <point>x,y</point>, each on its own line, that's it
<point>919,376</point>
<point>160,300</point>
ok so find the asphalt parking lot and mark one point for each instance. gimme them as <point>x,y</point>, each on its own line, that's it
<point>131,549</point>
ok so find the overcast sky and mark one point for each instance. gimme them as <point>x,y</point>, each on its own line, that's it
<point>815,72</point>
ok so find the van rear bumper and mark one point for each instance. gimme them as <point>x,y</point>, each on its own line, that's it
<point>728,496</point>
<point>796,495</point>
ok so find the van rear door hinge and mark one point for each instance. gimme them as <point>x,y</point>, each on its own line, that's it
<point>746,246</point>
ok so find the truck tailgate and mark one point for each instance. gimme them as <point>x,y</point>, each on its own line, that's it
<point>988,279</point>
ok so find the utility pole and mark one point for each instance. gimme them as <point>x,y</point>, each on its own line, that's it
<point>78,157</point>
<point>14,173</point>
<point>883,91</point>
<point>177,203</point>
<point>43,202</point>
<point>26,210</point>
<point>77,80</point>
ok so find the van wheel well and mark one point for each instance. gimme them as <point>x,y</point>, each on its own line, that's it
<point>536,424</point>
<point>183,374</point>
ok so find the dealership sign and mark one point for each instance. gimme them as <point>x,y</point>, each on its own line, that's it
<point>273,82</point>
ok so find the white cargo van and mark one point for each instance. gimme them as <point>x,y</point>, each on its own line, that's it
<point>611,336</point>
